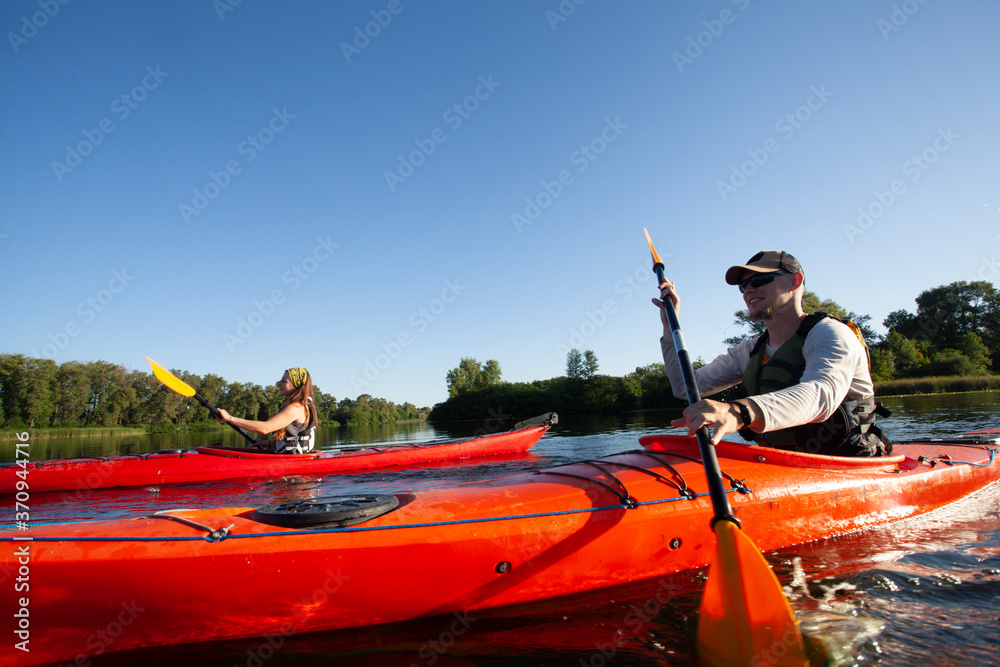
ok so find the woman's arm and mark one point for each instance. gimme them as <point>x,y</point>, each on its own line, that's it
<point>289,414</point>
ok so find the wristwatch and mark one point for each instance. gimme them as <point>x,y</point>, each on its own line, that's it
<point>744,413</point>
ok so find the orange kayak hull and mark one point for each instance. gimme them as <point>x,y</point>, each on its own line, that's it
<point>633,516</point>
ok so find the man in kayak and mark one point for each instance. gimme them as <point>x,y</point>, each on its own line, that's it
<point>295,423</point>
<point>805,382</point>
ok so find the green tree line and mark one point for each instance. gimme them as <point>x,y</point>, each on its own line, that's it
<point>955,332</point>
<point>581,391</point>
<point>39,393</point>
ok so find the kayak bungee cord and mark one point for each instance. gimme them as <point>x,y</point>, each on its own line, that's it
<point>351,529</point>
<point>103,459</point>
<point>625,501</point>
<point>624,496</point>
<point>737,484</point>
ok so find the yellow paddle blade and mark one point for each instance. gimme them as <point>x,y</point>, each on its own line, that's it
<point>656,256</point>
<point>172,382</point>
<point>745,616</point>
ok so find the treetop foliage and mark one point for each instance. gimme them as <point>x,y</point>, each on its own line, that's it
<point>470,375</point>
<point>38,393</point>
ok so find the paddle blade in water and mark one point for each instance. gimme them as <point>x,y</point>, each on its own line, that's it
<point>745,616</point>
<point>172,382</point>
<point>656,256</point>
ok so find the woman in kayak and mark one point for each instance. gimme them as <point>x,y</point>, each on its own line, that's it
<point>294,425</point>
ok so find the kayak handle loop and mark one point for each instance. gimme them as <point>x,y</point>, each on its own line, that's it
<point>214,534</point>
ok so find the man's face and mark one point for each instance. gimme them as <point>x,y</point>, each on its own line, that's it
<point>766,294</point>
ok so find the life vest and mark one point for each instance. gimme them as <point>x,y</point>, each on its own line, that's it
<point>298,437</point>
<point>849,431</point>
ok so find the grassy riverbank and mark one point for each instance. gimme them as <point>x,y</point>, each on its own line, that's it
<point>103,431</point>
<point>951,384</point>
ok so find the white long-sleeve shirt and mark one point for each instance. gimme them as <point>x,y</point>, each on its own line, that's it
<point>836,368</point>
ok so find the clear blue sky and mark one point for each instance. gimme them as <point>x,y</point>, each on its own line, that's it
<point>219,155</point>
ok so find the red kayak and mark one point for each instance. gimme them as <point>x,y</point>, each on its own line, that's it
<point>188,576</point>
<point>209,464</point>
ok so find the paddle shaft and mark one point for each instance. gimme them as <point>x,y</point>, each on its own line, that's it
<point>215,413</point>
<point>713,474</point>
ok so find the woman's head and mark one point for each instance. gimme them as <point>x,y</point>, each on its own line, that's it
<point>296,385</point>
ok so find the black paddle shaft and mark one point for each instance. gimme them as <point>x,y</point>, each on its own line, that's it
<point>713,474</point>
<point>215,412</point>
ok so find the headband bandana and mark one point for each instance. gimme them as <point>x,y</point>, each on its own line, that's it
<point>297,376</point>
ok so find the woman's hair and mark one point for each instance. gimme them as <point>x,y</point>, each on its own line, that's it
<point>303,395</point>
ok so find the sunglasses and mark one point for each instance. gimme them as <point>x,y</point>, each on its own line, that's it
<point>760,280</point>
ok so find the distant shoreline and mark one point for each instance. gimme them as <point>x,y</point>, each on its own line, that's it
<point>930,386</point>
<point>955,384</point>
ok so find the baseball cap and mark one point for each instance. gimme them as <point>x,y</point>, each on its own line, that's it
<point>766,261</point>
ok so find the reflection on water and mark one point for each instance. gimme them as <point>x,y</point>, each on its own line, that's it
<point>328,437</point>
<point>942,414</point>
<point>921,592</point>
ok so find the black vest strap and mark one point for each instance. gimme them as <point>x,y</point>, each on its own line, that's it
<point>850,431</point>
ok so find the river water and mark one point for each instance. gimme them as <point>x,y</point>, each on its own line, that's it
<point>921,592</point>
